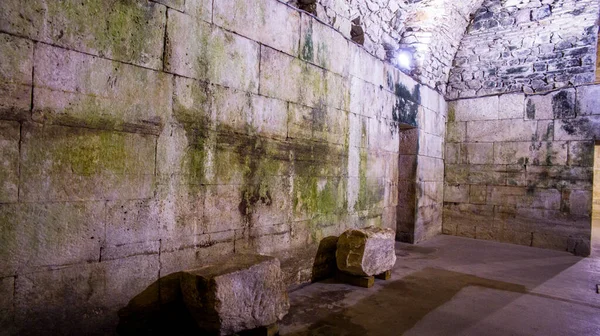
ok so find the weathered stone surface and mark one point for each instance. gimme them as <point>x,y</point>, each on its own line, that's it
<point>556,105</point>
<point>74,164</point>
<point>306,84</point>
<point>331,51</point>
<point>475,109</point>
<point>500,130</point>
<point>456,131</point>
<point>535,153</point>
<point>127,31</point>
<point>202,9</point>
<point>52,234</point>
<point>511,106</point>
<point>132,228</point>
<point>7,290</point>
<point>366,252</point>
<point>9,161</point>
<point>271,23</point>
<point>70,299</point>
<point>104,94</point>
<point>16,72</point>
<point>222,297</point>
<point>477,153</point>
<point>199,50</point>
<point>581,128</point>
<point>588,100</point>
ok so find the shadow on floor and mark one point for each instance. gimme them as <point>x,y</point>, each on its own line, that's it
<point>393,309</point>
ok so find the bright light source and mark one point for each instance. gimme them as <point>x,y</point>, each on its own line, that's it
<point>404,60</point>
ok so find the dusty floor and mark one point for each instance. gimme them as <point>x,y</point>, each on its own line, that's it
<point>457,286</point>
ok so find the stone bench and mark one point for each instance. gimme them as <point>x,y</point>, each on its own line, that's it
<point>364,253</point>
<point>242,292</point>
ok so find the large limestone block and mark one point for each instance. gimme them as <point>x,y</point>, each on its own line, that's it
<point>240,293</point>
<point>366,252</point>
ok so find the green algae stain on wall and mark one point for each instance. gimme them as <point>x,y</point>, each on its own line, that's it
<point>307,52</point>
<point>127,30</point>
<point>92,154</point>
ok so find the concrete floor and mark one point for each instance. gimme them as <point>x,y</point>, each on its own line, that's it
<point>458,286</point>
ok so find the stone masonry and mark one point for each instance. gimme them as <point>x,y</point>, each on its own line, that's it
<point>519,168</point>
<point>430,30</point>
<point>141,138</point>
<point>526,46</point>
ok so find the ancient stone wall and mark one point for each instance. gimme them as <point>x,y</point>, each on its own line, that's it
<point>526,46</point>
<point>429,31</point>
<point>519,168</point>
<point>139,139</point>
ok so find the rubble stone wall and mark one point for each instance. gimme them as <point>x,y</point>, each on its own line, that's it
<point>526,46</point>
<point>519,168</point>
<point>141,138</point>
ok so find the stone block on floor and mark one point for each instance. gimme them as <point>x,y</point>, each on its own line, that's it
<point>240,293</point>
<point>366,252</point>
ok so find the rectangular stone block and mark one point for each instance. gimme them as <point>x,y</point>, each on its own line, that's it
<point>452,154</point>
<point>555,105</point>
<point>132,227</point>
<point>456,131</point>
<point>302,82</point>
<point>265,240</point>
<point>430,169</point>
<point>369,68</point>
<point>475,174</point>
<point>10,135</point>
<point>474,109</point>
<point>16,72</point>
<point>581,128</point>
<point>430,99</point>
<point>240,112</point>
<point>323,46</point>
<point>533,153</point>
<point>588,100</point>
<point>456,193</point>
<point>381,136</point>
<point>75,164</point>
<point>430,194</point>
<point>511,106</point>
<point>319,124</point>
<point>523,198</point>
<point>500,130</point>
<point>221,297</point>
<point>477,153</point>
<point>431,145</point>
<point>127,31</point>
<point>271,23</point>
<point>54,234</point>
<point>580,202</point>
<point>193,105</point>
<point>202,9</point>
<point>434,123</point>
<point>199,50</point>
<point>581,153</point>
<point>76,89</point>
<point>478,194</point>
